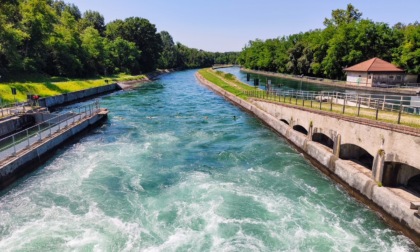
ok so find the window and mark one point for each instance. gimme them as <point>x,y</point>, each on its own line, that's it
<point>391,77</point>
<point>398,77</point>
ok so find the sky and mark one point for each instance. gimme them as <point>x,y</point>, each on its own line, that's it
<point>228,25</point>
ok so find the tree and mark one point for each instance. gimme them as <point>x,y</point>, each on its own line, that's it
<point>410,49</point>
<point>64,48</point>
<point>38,19</point>
<point>94,49</point>
<point>141,32</point>
<point>11,37</point>
<point>168,57</point>
<point>340,17</point>
<point>93,19</point>
<point>123,56</point>
<point>60,6</point>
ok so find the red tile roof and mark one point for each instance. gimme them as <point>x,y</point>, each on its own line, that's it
<point>373,65</point>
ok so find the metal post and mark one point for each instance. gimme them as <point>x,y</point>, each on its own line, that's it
<point>358,110</point>
<point>377,109</point>
<point>344,104</point>
<point>331,102</point>
<point>14,146</point>
<point>27,136</point>
<point>39,131</point>
<point>320,103</point>
<point>312,99</point>
<point>383,104</point>
<point>399,113</point>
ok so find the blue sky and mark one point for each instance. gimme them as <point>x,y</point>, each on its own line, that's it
<point>228,25</point>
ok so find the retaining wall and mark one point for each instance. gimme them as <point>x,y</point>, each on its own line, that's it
<point>15,124</point>
<point>354,177</point>
<point>65,99</point>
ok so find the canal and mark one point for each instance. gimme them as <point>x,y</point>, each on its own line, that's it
<point>177,168</point>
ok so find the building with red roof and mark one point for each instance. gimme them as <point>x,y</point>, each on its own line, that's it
<point>375,72</point>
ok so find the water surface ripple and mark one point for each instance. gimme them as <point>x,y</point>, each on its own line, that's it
<point>177,168</point>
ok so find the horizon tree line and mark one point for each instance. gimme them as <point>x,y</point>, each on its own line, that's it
<point>54,38</point>
<point>346,39</point>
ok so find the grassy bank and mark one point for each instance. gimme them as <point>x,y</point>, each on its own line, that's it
<point>234,86</point>
<point>49,86</point>
<point>226,81</point>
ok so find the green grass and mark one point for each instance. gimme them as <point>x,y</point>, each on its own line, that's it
<point>226,81</point>
<point>49,86</point>
<point>234,86</point>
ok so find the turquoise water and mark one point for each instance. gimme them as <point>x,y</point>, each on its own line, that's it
<point>177,168</point>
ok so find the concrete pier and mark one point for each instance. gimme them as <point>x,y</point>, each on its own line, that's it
<point>357,158</point>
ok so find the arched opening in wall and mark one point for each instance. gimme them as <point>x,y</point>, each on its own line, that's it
<point>398,174</point>
<point>356,154</point>
<point>414,184</point>
<point>323,139</point>
<point>282,120</point>
<point>300,129</point>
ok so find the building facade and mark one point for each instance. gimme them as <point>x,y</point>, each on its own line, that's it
<point>375,72</point>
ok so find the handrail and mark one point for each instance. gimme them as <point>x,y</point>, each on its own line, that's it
<point>12,144</point>
<point>356,104</point>
<point>386,102</point>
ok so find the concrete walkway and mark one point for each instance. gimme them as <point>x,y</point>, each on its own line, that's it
<point>11,145</point>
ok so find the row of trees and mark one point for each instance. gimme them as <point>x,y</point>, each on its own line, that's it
<point>55,38</point>
<point>347,39</point>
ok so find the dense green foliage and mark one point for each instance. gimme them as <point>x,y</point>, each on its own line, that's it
<point>347,39</point>
<point>54,38</point>
<point>180,56</point>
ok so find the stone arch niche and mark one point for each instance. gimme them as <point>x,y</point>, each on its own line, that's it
<point>300,129</point>
<point>356,154</point>
<point>323,139</point>
<point>398,174</point>
<point>283,120</point>
<point>414,184</point>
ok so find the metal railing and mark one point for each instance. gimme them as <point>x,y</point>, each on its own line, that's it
<point>342,82</point>
<point>14,108</point>
<point>17,142</point>
<point>395,109</point>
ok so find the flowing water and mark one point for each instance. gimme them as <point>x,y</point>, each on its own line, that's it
<point>177,168</point>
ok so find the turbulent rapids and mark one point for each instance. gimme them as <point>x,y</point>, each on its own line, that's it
<point>177,168</point>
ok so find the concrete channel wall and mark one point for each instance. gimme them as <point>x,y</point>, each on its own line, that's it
<point>64,99</point>
<point>355,178</point>
<point>14,124</point>
<point>30,158</point>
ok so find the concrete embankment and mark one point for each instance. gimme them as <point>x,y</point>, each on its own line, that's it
<point>356,179</point>
<point>73,97</point>
<point>338,84</point>
<point>30,158</point>
<point>69,98</point>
